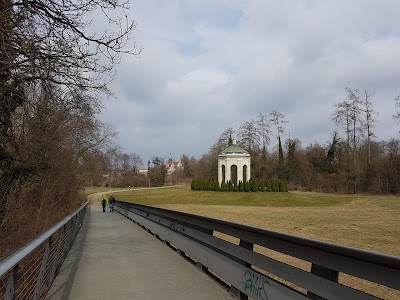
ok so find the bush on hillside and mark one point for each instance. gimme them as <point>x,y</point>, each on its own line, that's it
<point>254,185</point>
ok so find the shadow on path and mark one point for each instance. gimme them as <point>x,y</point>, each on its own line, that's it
<point>70,266</point>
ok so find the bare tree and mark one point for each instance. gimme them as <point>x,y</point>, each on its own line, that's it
<point>264,129</point>
<point>188,165</point>
<point>51,146</point>
<point>396,116</point>
<point>135,162</point>
<point>112,154</point>
<point>53,43</point>
<point>278,119</point>
<point>367,108</point>
<point>249,135</point>
<point>54,65</point>
<point>222,141</point>
<point>54,40</point>
<point>348,114</point>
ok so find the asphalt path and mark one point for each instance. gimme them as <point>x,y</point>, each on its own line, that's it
<point>114,258</point>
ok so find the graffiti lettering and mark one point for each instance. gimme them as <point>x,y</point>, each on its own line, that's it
<point>256,283</point>
<point>176,227</point>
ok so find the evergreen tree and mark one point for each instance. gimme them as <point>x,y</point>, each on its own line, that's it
<point>276,186</point>
<point>261,185</point>
<point>268,186</point>
<point>330,157</point>
<point>263,162</point>
<point>217,187</point>
<point>247,186</point>
<point>292,164</point>
<point>273,185</point>
<point>286,187</point>
<point>254,187</point>
<point>241,186</point>
<point>223,186</point>
<point>281,161</point>
<point>194,184</point>
<point>281,185</point>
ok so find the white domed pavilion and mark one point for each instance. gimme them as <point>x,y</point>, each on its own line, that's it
<point>234,164</point>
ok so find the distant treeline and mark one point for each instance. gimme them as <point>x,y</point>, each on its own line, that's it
<point>352,161</point>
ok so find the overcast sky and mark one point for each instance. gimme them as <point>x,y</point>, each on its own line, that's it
<point>208,65</point>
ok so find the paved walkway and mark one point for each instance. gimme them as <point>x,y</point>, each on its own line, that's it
<point>113,258</point>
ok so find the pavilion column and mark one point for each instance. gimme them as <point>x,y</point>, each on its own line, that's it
<point>248,172</point>
<point>219,171</point>
<point>228,171</point>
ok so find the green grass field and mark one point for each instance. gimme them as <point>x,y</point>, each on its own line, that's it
<point>95,189</point>
<point>183,195</point>
<point>362,221</point>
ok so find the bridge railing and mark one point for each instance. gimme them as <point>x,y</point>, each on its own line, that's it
<point>29,272</point>
<point>252,274</point>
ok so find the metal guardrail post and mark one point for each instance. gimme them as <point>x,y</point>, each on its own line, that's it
<point>39,281</point>
<point>198,264</point>
<point>57,256</point>
<point>234,290</point>
<point>323,272</point>
<point>71,234</point>
<point>12,283</point>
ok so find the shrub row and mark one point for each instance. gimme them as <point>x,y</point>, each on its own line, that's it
<point>254,185</point>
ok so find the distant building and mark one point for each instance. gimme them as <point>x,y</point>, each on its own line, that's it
<point>173,166</point>
<point>143,171</point>
<point>170,165</point>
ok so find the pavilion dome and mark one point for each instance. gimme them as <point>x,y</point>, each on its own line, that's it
<point>234,149</point>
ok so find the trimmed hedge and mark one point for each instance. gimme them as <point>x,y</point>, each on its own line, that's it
<point>254,185</point>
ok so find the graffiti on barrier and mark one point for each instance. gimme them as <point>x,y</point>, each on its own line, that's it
<point>257,284</point>
<point>176,227</point>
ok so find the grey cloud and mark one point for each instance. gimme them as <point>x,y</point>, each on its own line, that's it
<point>198,75</point>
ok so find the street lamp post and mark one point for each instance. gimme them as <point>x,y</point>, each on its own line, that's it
<point>148,170</point>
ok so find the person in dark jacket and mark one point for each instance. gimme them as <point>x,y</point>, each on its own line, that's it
<point>112,201</point>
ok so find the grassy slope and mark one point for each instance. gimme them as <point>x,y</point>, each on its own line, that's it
<point>183,195</point>
<point>94,189</point>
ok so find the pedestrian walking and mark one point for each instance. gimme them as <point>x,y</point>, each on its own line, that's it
<point>104,199</point>
<point>112,201</point>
